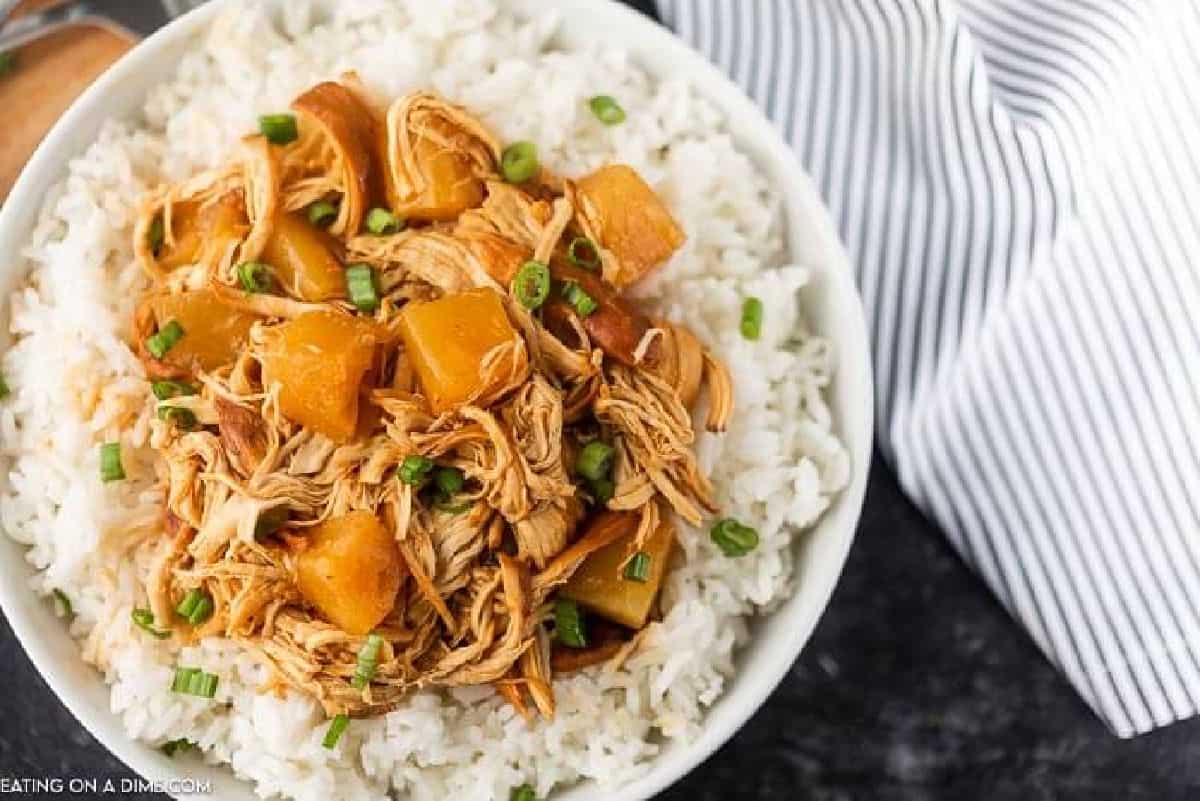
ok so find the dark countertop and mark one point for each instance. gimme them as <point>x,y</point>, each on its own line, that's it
<point>916,686</point>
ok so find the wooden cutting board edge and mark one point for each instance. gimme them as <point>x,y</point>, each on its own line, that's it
<point>53,67</point>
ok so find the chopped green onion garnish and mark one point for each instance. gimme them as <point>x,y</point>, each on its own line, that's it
<point>360,285</point>
<point>144,620</point>
<point>278,128</point>
<point>196,607</point>
<point>165,390</point>
<point>165,339</point>
<point>110,462</point>
<point>594,462</point>
<point>752,314</point>
<point>531,286</point>
<point>63,605</point>
<point>414,470</point>
<point>368,661</point>
<point>448,480</point>
<point>583,303</point>
<point>583,253</point>
<point>733,538</point>
<point>602,490</point>
<point>8,61</point>
<point>382,222</point>
<point>334,732</point>
<point>269,521</point>
<point>569,623</point>
<point>4,390</point>
<point>181,418</point>
<point>254,276</point>
<point>522,793</point>
<point>607,110</point>
<point>444,503</point>
<point>156,235</point>
<point>519,162</point>
<point>194,681</point>
<point>638,567</point>
<point>176,746</point>
<point>322,213</point>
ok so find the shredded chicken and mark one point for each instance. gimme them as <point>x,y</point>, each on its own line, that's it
<point>481,547</point>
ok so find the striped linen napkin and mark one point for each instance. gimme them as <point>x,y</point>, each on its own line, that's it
<point>1018,184</point>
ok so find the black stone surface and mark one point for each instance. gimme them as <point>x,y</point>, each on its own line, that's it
<point>915,687</point>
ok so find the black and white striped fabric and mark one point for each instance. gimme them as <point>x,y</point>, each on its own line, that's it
<point>1018,184</point>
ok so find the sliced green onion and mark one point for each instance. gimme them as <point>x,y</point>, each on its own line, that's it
<point>336,727</point>
<point>156,235</point>
<point>607,110</point>
<point>752,314</point>
<point>594,462</point>
<point>522,793</point>
<point>733,538</point>
<point>194,681</point>
<point>279,128</point>
<point>638,567</point>
<point>583,253</point>
<point>63,604</point>
<point>414,470</point>
<point>531,286</point>
<point>446,504</point>
<point>602,490</point>
<point>110,462</point>
<point>368,661</point>
<point>269,521</point>
<point>569,623</point>
<point>144,620</point>
<point>322,213</point>
<point>449,480</point>
<point>165,339</point>
<point>583,303</point>
<point>8,61</point>
<point>176,746</point>
<point>196,607</point>
<point>382,222</point>
<point>254,276</point>
<point>519,162</point>
<point>165,390</point>
<point>4,390</point>
<point>181,418</point>
<point>360,285</point>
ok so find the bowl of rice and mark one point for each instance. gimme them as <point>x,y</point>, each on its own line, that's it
<point>793,462</point>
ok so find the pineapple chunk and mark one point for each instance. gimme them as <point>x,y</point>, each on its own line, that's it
<point>304,259</point>
<point>600,584</point>
<point>214,332</point>
<point>630,219</point>
<point>319,359</point>
<point>202,233</point>
<point>350,571</point>
<point>451,186</point>
<point>446,340</point>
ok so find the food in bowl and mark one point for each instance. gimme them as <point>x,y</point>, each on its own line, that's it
<point>438,438</point>
<point>413,433</point>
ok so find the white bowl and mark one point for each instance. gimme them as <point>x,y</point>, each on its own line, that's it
<point>832,305</point>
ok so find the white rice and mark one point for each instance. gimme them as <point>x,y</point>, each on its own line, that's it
<point>76,384</point>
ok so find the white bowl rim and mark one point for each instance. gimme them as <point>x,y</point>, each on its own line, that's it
<point>792,622</point>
